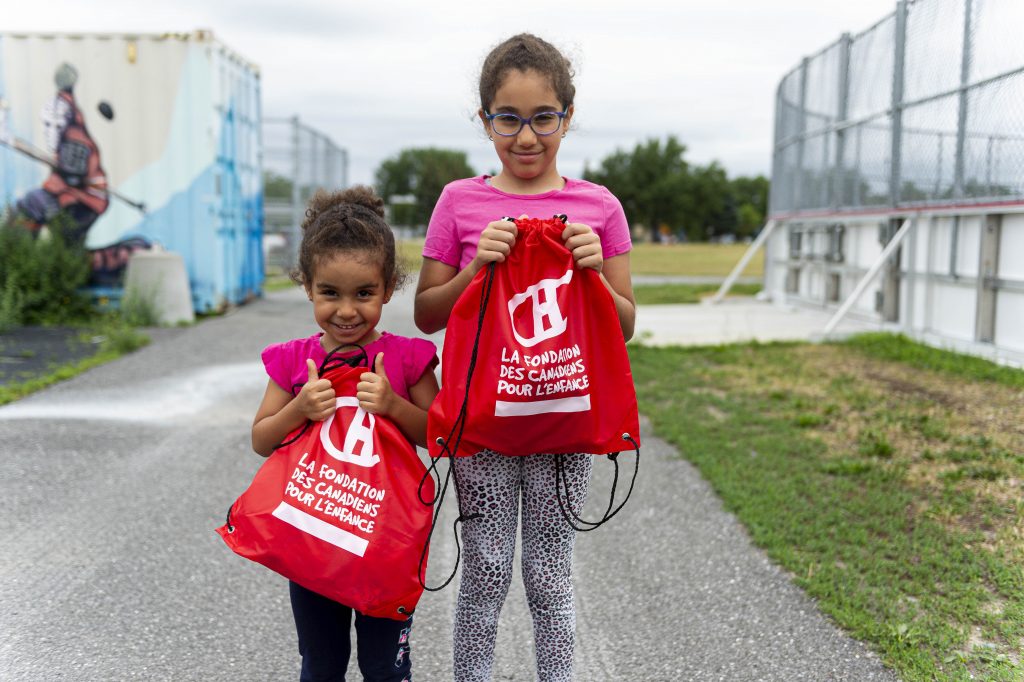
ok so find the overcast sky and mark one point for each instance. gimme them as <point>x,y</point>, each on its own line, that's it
<point>379,77</point>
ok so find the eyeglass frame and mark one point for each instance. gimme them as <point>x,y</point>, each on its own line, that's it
<point>526,121</point>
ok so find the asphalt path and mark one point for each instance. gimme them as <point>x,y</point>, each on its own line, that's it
<point>112,483</point>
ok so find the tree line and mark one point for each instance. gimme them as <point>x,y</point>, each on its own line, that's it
<point>663,195</point>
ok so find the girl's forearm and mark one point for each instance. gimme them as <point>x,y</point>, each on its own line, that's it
<point>268,432</point>
<point>434,305</point>
<point>624,308</point>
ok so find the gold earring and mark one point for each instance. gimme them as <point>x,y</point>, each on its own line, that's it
<point>490,138</point>
<point>563,135</point>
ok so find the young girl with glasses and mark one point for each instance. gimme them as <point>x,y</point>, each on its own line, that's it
<point>526,107</point>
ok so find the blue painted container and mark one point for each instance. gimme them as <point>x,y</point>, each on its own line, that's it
<point>184,140</point>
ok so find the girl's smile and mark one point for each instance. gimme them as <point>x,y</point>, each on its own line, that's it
<point>348,294</point>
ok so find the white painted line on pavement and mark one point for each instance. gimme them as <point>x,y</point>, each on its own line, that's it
<point>163,399</point>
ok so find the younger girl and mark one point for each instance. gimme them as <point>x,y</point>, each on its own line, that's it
<point>526,106</point>
<point>348,267</point>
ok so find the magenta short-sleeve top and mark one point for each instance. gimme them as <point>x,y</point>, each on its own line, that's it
<point>406,360</point>
<point>467,206</point>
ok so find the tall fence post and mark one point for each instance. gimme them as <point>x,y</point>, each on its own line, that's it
<point>293,230</point>
<point>801,139</point>
<point>961,124</point>
<point>838,189</point>
<point>898,72</point>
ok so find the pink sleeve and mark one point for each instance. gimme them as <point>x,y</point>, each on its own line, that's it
<point>442,242</point>
<point>615,240</point>
<point>278,361</point>
<point>421,358</point>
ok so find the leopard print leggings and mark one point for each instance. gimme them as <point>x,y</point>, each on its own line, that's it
<point>491,483</point>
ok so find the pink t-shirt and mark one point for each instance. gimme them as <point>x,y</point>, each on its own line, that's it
<point>406,360</point>
<point>467,206</point>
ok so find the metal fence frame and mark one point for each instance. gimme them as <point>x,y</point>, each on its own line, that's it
<point>310,160</point>
<point>814,116</point>
<point>840,224</point>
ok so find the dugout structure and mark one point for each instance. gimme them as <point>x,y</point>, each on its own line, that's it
<point>897,188</point>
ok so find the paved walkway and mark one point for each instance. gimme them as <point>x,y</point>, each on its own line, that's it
<point>735,320</point>
<point>109,567</point>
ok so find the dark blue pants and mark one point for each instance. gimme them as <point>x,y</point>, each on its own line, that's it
<point>382,644</point>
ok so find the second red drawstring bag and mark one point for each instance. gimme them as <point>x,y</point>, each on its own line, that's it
<point>550,369</point>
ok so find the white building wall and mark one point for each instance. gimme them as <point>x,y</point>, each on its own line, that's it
<point>939,289</point>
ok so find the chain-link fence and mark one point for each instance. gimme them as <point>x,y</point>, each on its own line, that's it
<point>925,108</point>
<point>297,160</point>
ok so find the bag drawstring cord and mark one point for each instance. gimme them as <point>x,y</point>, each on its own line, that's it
<point>566,506</point>
<point>449,448</point>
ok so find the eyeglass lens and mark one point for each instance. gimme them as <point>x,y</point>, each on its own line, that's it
<point>544,123</point>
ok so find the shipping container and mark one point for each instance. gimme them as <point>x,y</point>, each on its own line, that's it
<point>174,123</point>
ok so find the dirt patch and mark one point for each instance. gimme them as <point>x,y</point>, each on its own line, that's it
<point>30,352</point>
<point>942,432</point>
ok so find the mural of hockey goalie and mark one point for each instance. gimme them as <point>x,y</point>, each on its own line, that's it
<point>77,184</point>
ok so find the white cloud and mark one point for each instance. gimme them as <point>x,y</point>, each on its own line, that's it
<point>382,77</point>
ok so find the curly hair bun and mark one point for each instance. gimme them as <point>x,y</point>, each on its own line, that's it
<point>364,196</point>
<point>342,202</point>
<point>345,221</point>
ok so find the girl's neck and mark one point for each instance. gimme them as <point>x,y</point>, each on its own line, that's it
<point>510,184</point>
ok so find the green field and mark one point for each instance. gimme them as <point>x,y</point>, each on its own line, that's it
<point>885,476</point>
<point>659,294</point>
<point>654,259</point>
<point>692,259</point>
<point>645,259</point>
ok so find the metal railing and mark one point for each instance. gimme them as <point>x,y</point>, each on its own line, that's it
<point>297,160</point>
<point>925,108</point>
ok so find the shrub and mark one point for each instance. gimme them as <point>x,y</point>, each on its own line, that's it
<point>42,278</point>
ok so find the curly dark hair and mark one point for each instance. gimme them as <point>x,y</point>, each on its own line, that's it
<point>525,52</point>
<point>350,220</point>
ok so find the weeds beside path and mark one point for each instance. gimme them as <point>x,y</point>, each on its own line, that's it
<point>890,488</point>
<point>34,357</point>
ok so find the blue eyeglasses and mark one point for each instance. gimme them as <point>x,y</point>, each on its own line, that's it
<point>542,123</point>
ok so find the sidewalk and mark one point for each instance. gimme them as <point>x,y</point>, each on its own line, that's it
<point>117,478</point>
<point>736,320</point>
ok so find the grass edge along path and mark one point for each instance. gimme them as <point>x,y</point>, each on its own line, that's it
<point>937,600</point>
<point>119,341</point>
<point>674,294</point>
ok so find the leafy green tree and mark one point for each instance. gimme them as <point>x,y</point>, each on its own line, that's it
<point>659,189</point>
<point>276,186</point>
<point>653,183</point>
<point>713,208</point>
<point>751,196</point>
<point>422,173</point>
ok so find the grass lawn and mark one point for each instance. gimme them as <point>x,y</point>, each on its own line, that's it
<point>884,475</point>
<point>692,259</point>
<point>653,259</point>
<point>655,294</point>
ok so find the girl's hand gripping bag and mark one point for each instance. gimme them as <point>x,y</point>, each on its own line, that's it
<point>336,509</point>
<point>550,373</point>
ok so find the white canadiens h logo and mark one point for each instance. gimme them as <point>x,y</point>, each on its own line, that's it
<point>548,321</point>
<point>359,433</point>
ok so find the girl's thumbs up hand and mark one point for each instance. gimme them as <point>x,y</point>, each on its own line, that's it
<point>316,399</point>
<point>374,390</point>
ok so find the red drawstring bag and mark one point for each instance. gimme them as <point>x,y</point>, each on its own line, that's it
<point>335,509</point>
<point>534,359</point>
